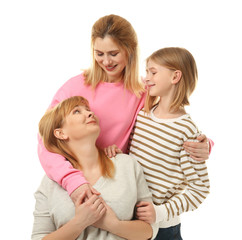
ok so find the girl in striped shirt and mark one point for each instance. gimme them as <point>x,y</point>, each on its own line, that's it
<point>177,182</point>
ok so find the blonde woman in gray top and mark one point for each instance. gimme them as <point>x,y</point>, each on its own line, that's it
<point>71,129</point>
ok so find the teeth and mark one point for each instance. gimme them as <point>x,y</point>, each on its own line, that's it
<point>112,67</point>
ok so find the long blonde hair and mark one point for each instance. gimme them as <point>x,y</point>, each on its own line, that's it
<point>175,58</point>
<point>54,118</point>
<point>123,34</point>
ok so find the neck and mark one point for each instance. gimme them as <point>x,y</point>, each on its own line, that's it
<point>86,153</point>
<point>163,110</point>
<point>111,79</point>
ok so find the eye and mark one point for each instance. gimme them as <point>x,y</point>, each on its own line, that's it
<point>153,73</point>
<point>99,54</point>
<point>76,111</point>
<point>114,54</point>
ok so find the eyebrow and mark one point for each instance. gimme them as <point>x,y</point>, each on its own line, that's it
<point>151,68</point>
<point>117,50</point>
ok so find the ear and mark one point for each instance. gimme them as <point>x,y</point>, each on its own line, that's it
<point>176,77</point>
<point>59,133</point>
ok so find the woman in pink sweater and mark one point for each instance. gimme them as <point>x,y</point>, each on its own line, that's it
<point>116,94</point>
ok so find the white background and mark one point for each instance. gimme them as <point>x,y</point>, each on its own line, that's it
<point>44,43</point>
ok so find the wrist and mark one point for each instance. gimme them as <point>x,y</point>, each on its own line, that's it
<point>114,226</point>
<point>161,213</point>
<point>79,224</point>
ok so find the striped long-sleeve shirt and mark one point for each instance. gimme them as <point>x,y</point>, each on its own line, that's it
<point>177,182</point>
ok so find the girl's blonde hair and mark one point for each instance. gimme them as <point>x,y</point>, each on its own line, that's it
<point>175,58</point>
<point>123,34</point>
<point>55,118</point>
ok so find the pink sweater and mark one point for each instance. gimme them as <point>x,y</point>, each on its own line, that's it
<point>116,109</point>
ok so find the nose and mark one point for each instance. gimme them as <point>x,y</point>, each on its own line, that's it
<point>146,79</point>
<point>90,114</point>
<point>107,60</point>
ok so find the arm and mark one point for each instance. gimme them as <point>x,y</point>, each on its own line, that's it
<point>85,214</point>
<point>135,229</point>
<point>55,166</point>
<point>60,170</point>
<point>131,229</point>
<point>196,190</point>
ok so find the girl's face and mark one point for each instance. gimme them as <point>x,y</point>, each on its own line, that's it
<point>159,79</point>
<point>79,123</point>
<point>110,57</point>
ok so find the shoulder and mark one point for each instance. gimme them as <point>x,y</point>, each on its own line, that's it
<point>75,80</point>
<point>188,126</point>
<point>123,158</point>
<point>47,186</point>
<point>127,162</point>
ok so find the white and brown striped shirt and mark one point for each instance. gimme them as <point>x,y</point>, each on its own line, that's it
<point>176,181</point>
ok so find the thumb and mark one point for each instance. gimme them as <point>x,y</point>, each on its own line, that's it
<point>94,191</point>
<point>201,138</point>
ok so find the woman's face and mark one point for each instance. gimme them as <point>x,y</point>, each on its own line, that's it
<point>110,57</point>
<point>79,123</point>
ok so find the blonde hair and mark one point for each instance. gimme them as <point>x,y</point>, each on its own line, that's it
<point>123,34</point>
<point>175,58</point>
<point>54,118</point>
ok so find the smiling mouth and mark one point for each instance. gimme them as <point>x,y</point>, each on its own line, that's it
<point>111,68</point>
<point>151,85</point>
<point>92,122</point>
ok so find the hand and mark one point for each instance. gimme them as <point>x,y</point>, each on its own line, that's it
<point>87,189</point>
<point>145,211</point>
<point>108,219</point>
<point>111,151</point>
<point>198,150</point>
<point>89,211</point>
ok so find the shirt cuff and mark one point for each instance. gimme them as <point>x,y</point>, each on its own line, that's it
<point>161,213</point>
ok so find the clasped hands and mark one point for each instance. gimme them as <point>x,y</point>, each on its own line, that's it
<point>91,209</point>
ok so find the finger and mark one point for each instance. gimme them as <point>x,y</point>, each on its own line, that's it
<point>92,199</point>
<point>203,150</point>
<point>192,150</point>
<point>109,152</point>
<point>94,191</point>
<point>104,203</point>
<point>118,150</point>
<point>89,192</point>
<point>141,204</point>
<point>143,219</point>
<point>103,210</point>
<point>142,209</point>
<point>201,138</point>
<point>80,199</point>
<point>98,204</point>
<point>195,145</point>
<point>200,159</point>
<point>141,214</point>
<point>105,151</point>
<point>113,152</point>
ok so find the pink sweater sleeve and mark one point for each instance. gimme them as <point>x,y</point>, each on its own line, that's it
<point>211,143</point>
<point>56,166</point>
<point>59,169</point>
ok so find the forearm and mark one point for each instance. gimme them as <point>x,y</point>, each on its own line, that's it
<point>70,231</point>
<point>60,170</point>
<point>132,230</point>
